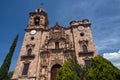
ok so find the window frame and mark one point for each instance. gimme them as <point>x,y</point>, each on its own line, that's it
<point>87,63</point>
<point>84,48</point>
<point>56,45</point>
<point>29,52</point>
<point>37,23</point>
<point>25,68</point>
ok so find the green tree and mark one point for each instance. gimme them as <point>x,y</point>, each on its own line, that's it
<point>10,74</point>
<point>66,72</point>
<point>102,69</point>
<point>7,61</point>
<point>80,70</point>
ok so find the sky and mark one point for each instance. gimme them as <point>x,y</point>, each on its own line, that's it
<point>104,15</point>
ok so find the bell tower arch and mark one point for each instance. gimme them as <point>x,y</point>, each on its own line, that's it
<point>38,19</point>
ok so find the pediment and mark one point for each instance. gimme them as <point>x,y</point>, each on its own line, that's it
<point>57,27</point>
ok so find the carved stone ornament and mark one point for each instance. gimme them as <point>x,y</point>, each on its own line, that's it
<point>57,32</point>
<point>44,54</point>
<point>42,78</point>
<point>44,62</point>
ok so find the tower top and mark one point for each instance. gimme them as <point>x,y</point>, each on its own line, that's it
<point>39,10</point>
<point>38,19</point>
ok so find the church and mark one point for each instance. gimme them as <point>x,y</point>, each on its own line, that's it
<point>44,49</point>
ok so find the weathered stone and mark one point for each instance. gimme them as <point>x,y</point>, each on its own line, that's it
<point>51,47</point>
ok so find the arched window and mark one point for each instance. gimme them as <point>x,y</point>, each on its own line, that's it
<point>36,20</point>
<point>29,51</point>
<point>85,48</point>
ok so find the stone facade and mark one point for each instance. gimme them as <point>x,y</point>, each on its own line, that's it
<point>44,50</point>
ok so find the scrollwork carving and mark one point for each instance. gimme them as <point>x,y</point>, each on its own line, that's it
<point>84,42</point>
<point>57,32</point>
<point>44,62</point>
<point>44,54</point>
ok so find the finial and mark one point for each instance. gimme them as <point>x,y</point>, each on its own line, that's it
<point>39,10</point>
<point>56,24</point>
<point>41,3</point>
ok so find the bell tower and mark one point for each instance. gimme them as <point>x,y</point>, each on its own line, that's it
<point>83,41</point>
<point>38,19</point>
<point>27,67</point>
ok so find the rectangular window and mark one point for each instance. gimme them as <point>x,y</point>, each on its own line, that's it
<point>87,63</point>
<point>25,69</point>
<point>56,45</point>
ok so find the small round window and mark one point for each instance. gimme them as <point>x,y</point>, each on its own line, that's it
<point>81,34</point>
<point>32,38</point>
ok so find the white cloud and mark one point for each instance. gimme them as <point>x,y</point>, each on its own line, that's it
<point>114,57</point>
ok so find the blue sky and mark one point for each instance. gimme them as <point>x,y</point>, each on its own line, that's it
<point>104,16</point>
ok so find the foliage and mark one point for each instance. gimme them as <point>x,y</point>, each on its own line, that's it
<point>75,67</point>
<point>10,74</point>
<point>7,61</point>
<point>102,69</point>
<point>79,70</point>
<point>66,73</point>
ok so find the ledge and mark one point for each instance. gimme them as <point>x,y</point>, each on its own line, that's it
<point>28,57</point>
<point>68,50</point>
<point>37,29</point>
<point>86,54</point>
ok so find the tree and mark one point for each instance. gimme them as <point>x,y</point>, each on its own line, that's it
<point>80,70</point>
<point>66,72</point>
<point>102,69</point>
<point>10,74</point>
<point>7,61</point>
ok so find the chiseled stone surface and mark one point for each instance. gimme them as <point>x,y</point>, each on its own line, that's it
<point>51,47</point>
